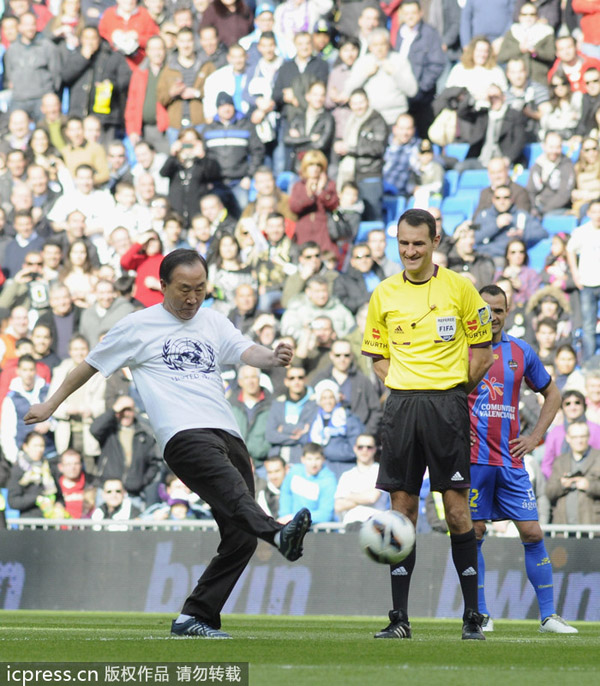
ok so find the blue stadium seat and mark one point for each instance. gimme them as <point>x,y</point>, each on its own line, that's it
<point>393,206</point>
<point>537,255</point>
<point>364,228</point>
<point>474,178</point>
<point>531,152</point>
<point>464,201</point>
<point>554,223</point>
<point>457,150</point>
<point>522,178</point>
<point>450,182</point>
<point>252,192</point>
<point>286,180</point>
<point>451,220</point>
<point>391,250</point>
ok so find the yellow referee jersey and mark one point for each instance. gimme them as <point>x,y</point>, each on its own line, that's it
<point>426,329</point>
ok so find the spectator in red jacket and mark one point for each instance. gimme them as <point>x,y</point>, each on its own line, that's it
<point>127,28</point>
<point>590,26</point>
<point>144,258</point>
<point>142,85</point>
<point>571,63</point>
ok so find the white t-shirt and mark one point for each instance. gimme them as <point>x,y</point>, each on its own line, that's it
<point>175,365</point>
<point>585,242</point>
<point>357,480</point>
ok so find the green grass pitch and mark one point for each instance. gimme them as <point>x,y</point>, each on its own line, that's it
<point>315,651</point>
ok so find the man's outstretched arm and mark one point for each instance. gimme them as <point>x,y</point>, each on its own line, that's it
<point>74,380</point>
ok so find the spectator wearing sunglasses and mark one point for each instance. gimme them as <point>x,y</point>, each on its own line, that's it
<point>573,411</point>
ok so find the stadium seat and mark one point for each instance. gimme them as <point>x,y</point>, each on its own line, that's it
<point>393,206</point>
<point>554,223</point>
<point>457,150</point>
<point>531,152</point>
<point>464,201</point>
<point>285,181</point>
<point>451,220</point>
<point>450,183</point>
<point>365,227</point>
<point>537,255</point>
<point>252,192</point>
<point>522,178</point>
<point>474,178</point>
<point>391,250</point>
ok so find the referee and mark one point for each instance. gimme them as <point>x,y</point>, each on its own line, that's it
<point>420,327</point>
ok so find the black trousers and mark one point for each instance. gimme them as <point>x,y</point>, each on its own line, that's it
<point>216,465</point>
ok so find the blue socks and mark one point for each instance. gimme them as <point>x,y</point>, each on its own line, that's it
<point>539,573</point>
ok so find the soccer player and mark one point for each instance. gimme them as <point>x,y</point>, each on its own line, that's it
<point>174,350</point>
<point>500,485</point>
<point>419,328</point>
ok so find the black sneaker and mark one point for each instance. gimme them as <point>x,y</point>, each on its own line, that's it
<point>197,629</point>
<point>292,535</point>
<point>399,627</point>
<point>471,629</point>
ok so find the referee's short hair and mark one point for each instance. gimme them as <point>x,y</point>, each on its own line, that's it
<point>176,258</point>
<point>493,290</point>
<point>418,218</point>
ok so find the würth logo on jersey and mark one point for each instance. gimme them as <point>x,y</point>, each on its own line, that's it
<point>376,334</point>
<point>472,324</point>
<point>494,388</point>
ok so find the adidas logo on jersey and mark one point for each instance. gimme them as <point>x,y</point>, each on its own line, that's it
<point>398,329</point>
<point>469,571</point>
<point>400,571</point>
<point>457,476</point>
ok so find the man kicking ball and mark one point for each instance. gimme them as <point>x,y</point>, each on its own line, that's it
<point>174,351</point>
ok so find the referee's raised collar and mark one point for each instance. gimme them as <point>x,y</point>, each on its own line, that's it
<point>420,283</point>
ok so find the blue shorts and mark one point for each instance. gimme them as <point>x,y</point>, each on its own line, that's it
<point>501,493</point>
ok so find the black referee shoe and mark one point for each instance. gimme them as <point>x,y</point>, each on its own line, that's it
<point>471,629</point>
<point>293,533</point>
<point>399,626</point>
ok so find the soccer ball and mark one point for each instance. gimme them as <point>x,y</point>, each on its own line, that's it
<point>388,537</point>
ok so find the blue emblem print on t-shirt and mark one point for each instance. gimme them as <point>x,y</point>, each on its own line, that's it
<point>188,355</point>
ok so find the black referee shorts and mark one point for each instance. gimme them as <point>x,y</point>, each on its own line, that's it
<point>425,429</point>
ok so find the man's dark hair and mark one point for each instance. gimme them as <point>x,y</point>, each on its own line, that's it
<point>349,39</point>
<point>418,218</point>
<point>175,259</point>
<point>124,285</point>
<point>174,217</point>
<point>73,117</point>
<point>309,245</point>
<point>84,167</point>
<point>313,449</point>
<point>359,91</point>
<point>275,458</point>
<point>505,186</point>
<point>546,321</point>
<point>568,347</point>
<point>493,290</point>
<point>52,244</point>
<point>23,341</point>
<point>275,215</point>
<point>25,358</point>
<point>23,213</point>
<point>411,2</point>
<point>183,30</point>
<point>267,34</point>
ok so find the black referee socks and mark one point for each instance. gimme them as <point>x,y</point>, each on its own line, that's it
<point>464,556</point>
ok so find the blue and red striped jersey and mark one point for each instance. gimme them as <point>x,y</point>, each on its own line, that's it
<point>494,404</point>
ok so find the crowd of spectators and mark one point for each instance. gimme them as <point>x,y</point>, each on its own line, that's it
<point>282,141</point>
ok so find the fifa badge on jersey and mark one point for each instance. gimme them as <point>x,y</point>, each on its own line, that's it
<point>484,314</point>
<point>446,327</point>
